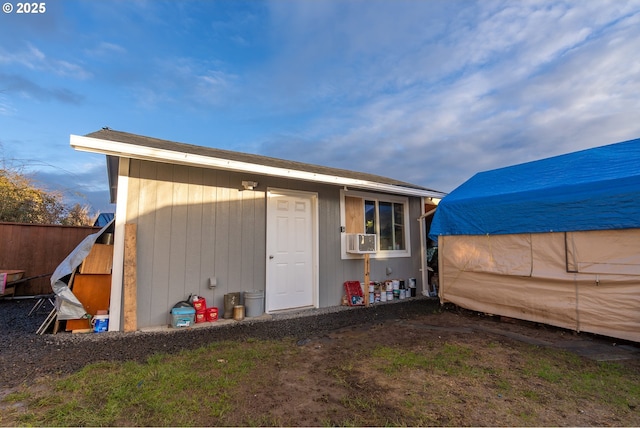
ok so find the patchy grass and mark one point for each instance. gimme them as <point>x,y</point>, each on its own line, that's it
<point>165,391</point>
<point>368,378</point>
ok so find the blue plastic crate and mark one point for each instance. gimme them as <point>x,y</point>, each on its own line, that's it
<point>182,317</point>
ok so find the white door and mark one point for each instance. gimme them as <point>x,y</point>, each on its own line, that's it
<point>291,250</point>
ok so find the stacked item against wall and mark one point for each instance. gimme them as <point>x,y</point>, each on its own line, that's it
<point>203,313</point>
<point>91,284</point>
<point>194,310</point>
<point>379,291</point>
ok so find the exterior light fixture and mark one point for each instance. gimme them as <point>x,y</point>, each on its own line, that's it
<point>249,185</point>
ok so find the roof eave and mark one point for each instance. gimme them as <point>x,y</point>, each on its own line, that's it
<point>119,149</point>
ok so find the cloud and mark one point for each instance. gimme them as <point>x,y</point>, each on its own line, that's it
<point>32,58</point>
<point>84,184</point>
<point>6,109</point>
<point>106,50</point>
<point>185,82</point>
<point>12,83</point>
<point>494,84</point>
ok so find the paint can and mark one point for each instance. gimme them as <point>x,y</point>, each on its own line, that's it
<point>403,294</point>
<point>396,294</point>
<point>389,296</point>
<point>396,285</point>
<point>371,298</point>
<point>412,283</point>
<point>389,285</point>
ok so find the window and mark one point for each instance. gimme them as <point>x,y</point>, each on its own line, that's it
<point>386,219</point>
<point>382,215</point>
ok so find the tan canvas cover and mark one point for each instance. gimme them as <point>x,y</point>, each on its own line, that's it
<point>583,281</point>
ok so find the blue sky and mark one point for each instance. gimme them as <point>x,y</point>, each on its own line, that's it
<point>425,91</point>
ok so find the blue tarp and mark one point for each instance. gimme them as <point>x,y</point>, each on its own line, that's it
<point>593,189</point>
<point>104,219</point>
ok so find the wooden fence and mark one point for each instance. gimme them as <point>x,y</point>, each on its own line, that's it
<point>37,250</point>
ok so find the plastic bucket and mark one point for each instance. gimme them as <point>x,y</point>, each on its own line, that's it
<point>212,314</point>
<point>201,316</point>
<point>100,323</point>
<point>254,303</point>
<point>199,303</point>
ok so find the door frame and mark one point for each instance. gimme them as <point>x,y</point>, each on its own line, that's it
<point>313,198</point>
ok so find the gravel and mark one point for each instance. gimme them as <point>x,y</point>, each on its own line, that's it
<point>25,355</point>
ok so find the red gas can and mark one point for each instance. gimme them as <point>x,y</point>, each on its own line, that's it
<point>199,303</point>
<point>201,316</point>
<point>211,314</point>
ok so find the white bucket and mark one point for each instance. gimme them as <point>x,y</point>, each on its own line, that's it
<point>100,323</point>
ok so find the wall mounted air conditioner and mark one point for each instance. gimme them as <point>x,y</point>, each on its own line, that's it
<point>361,243</point>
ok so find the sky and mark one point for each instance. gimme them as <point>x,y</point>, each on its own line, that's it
<point>426,91</point>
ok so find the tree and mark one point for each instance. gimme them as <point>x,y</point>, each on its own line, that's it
<point>78,215</point>
<point>21,201</point>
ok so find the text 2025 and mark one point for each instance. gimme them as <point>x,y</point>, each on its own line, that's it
<point>31,8</point>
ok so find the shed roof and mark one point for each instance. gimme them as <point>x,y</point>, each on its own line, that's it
<point>122,144</point>
<point>593,189</point>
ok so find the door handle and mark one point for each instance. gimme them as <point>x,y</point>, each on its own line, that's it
<point>270,257</point>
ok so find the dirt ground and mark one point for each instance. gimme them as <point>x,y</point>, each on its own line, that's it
<point>324,382</point>
<point>327,382</point>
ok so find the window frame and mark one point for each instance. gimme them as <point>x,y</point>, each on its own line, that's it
<point>376,198</point>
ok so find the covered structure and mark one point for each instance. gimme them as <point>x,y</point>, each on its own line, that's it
<point>555,241</point>
<point>212,222</point>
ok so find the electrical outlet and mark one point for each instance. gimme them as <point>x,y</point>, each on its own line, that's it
<point>213,282</point>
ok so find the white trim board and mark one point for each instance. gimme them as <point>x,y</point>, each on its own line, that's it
<point>114,148</point>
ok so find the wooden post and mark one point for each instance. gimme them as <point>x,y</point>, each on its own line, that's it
<point>367,273</point>
<point>130,278</point>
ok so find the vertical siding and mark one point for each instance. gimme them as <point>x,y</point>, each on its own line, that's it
<point>178,288</point>
<point>146,208</point>
<point>159,242</point>
<point>194,233</point>
<point>234,244</point>
<point>208,241</point>
<point>331,266</point>
<point>196,223</point>
<point>193,224</point>
<point>221,238</point>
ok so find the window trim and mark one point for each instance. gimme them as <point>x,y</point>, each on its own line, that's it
<point>377,197</point>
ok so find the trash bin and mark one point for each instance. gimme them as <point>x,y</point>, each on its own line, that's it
<point>254,303</point>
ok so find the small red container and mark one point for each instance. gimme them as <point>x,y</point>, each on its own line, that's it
<point>201,316</point>
<point>211,314</point>
<point>199,304</point>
